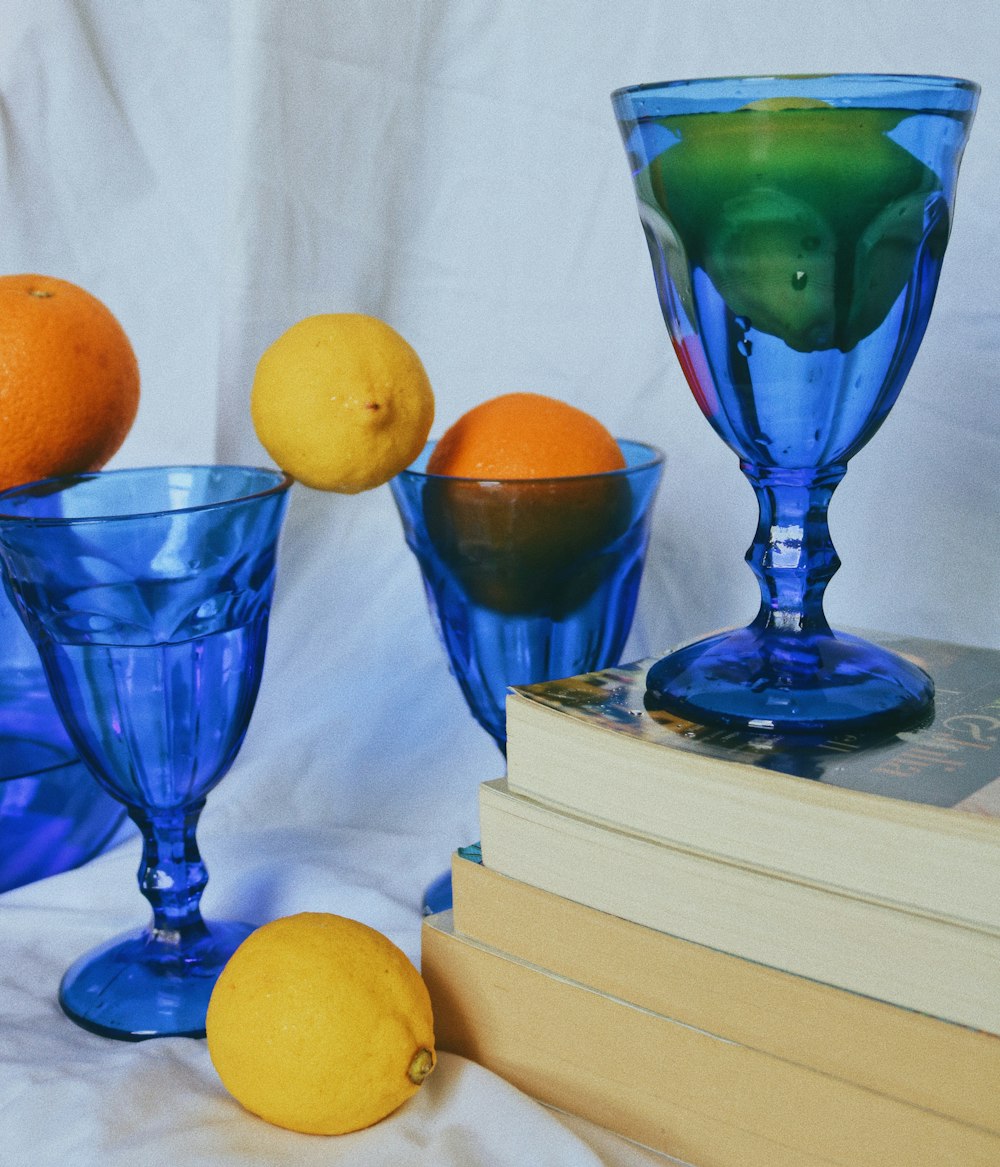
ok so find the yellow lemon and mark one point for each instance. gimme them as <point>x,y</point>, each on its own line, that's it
<point>320,1024</point>
<point>342,402</point>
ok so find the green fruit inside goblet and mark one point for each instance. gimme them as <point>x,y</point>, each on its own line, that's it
<point>807,218</point>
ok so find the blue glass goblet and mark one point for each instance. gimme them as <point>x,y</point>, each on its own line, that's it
<point>52,816</point>
<point>528,579</point>
<point>796,227</point>
<point>147,593</point>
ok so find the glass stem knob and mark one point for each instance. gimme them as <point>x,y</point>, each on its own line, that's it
<point>172,874</point>
<point>792,554</point>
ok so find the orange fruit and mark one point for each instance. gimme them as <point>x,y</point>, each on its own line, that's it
<point>69,380</point>
<point>525,435</point>
<point>523,504</point>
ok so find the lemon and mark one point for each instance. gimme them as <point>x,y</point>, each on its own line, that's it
<point>320,1024</point>
<point>341,402</point>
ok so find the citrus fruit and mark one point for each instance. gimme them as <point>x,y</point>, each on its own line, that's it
<point>525,435</point>
<point>69,380</point>
<point>341,402</point>
<point>320,1024</point>
<point>523,504</point>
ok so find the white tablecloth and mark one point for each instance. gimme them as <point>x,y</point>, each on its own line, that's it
<point>70,1097</point>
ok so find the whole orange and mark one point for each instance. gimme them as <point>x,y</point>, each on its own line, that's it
<point>523,504</point>
<point>69,380</point>
<point>525,435</point>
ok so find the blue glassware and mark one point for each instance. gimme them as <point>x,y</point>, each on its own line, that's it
<point>528,579</point>
<point>796,227</point>
<point>147,593</point>
<point>52,816</point>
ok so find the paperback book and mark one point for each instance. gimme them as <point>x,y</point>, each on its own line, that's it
<point>911,818</point>
<point>917,1059</point>
<point>668,1085</point>
<point>906,958</point>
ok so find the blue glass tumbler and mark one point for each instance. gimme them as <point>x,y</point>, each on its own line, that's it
<point>797,227</point>
<point>147,593</point>
<point>52,815</point>
<point>528,579</point>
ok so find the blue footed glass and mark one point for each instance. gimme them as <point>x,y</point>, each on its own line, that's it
<point>797,227</point>
<point>52,815</point>
<point>528,579</point>
<point>147,593</point>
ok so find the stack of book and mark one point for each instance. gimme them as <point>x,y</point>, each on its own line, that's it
<point>740,949</point>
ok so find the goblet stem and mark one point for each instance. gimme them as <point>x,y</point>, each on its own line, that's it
<point>792,554</point>
<point>172,874</point>
<point>788,671</point>
<point>156,981</point>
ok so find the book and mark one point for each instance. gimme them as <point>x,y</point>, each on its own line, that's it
<point>906,958</point>
<point>911,818</point>
<point>665,1084</point>
<point>922,1060</point>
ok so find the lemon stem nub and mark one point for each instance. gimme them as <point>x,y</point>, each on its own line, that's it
<point>420,1066</point>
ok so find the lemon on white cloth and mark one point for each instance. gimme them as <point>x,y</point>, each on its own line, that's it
<point>320,1024</point>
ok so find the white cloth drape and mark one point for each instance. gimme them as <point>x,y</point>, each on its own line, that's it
<point>217,171</point>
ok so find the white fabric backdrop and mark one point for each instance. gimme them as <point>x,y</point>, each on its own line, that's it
<point>215,172</point>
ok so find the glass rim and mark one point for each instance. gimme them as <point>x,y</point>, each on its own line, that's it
<point>654,457</point>
<point>929,81</point>
<point>281,481</point>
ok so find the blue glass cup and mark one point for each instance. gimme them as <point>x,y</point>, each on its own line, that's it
<point>147,593</point>
<point>52,815</point>
<point>528,579</point>
<point>796,227</point>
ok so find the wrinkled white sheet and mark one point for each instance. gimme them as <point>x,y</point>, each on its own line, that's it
<point>69,1097</point>
<point>215,172</point>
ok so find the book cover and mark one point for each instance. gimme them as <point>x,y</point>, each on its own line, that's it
<point>909,959</point>
<point>918,1059</point>
<point>911,817</point>
<point>667,1085</point>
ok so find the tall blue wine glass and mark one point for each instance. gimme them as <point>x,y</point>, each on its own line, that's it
<point>147,593</point>
<point>796,227</point>
<point>528,579</point>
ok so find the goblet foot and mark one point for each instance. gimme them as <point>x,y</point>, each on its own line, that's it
<point>761,679</point>
<point>437,896</point>
<point>146,984</point>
